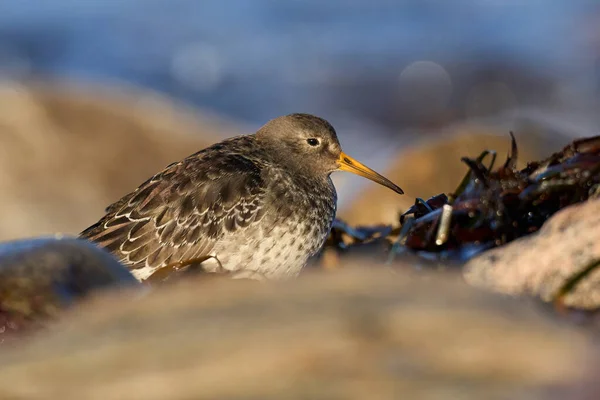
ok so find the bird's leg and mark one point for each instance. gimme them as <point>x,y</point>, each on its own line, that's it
<point>179,265</point>
<point>162,274</point>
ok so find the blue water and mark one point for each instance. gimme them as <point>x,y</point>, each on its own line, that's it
<point>255,59</point>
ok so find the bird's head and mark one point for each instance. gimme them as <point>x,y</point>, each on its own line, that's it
<point>309,145</point>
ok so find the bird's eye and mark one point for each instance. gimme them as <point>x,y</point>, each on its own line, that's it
<point>313,141</point>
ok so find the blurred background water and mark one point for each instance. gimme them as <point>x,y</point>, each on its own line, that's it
<point>384,72</point>
<point>388,63</point>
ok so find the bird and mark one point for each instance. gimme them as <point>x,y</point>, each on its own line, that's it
<point>255,206</point>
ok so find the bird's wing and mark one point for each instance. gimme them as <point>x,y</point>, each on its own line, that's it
<point>181,212</point>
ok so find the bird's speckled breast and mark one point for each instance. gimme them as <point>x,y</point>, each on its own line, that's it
<point>291,231</point>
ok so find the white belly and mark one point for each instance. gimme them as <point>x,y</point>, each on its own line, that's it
<point>267,251</point>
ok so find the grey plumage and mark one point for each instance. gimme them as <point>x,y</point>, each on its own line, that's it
<point>260,204</point>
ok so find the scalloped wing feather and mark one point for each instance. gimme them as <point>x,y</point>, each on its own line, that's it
<point>183,211</point>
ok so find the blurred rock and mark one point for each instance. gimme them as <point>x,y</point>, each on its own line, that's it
<point>541,263</point>
<point>348,334</point>
<point>40,277</point>
<point>434,167</point>
<point>67,152</point>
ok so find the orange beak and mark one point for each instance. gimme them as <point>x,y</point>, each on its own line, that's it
<point>349,164</point>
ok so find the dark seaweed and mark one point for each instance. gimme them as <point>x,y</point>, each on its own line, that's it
<point>493,207</point>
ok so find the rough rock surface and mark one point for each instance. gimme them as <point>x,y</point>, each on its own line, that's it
<point>68,151</point>
<point>328,335</point>
<point>541,263</point>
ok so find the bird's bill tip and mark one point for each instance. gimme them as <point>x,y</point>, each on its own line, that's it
<point>349,164</point>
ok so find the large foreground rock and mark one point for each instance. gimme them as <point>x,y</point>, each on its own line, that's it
<point>541,264</point>
<point>68,151</point>
<point>328,335</point>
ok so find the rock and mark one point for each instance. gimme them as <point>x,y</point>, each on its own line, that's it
<point>41,277</point>
<point>67,152</point>
<point>434,167</point>
<point>541,263</point>
<point>353,334</point>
